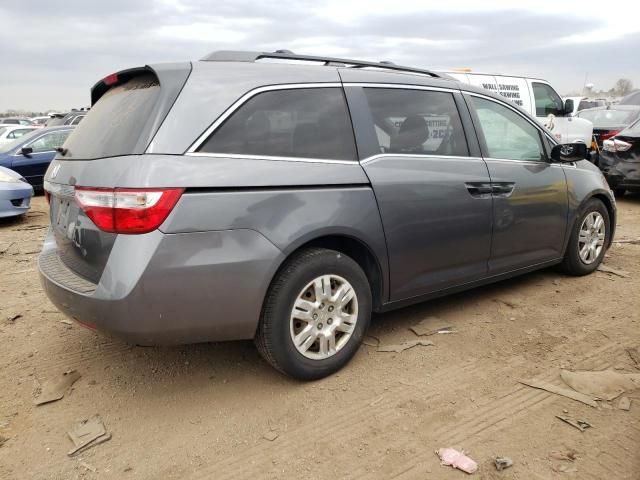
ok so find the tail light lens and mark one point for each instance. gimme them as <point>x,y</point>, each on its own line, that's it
<point>127,210</point>
<point>616,145</point>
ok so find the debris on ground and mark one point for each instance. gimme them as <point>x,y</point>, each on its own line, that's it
<point>3,440</point>
<point>53,390</point>
<point>424,328</point>
<point>605,385</point>
<point>565,392</point>
<point>634,353</point>
<point>13,318</point>
<point>613,271</point>
<point>6,249</point>
<point>508,303</point>
<point>632,241</point>
<point>87,433</point>
<point>404,346</point>
<point>502,462</point>
<point>89,467</point>
<point>581,425</point>
<point>456,459</point>
<point>66,322</point>
<point>271,436</point>
<point>568,455</point>
<point>371,341</point>
<point>624,403</point>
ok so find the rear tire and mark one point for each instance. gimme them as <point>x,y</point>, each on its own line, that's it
<point>589,240</point>
<point>311,325</point>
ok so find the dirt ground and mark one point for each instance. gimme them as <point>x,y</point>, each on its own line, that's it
<point>219,411</point>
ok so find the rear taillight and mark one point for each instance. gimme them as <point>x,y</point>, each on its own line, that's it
<point>608,135</point>
<point>616,145</point>
<point>127,210</point>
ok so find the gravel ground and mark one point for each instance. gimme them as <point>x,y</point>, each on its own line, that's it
<point>218,411</point>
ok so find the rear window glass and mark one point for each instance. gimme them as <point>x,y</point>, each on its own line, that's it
<point>609,118</point>
<point>114,124</point>
<point>305,123</point>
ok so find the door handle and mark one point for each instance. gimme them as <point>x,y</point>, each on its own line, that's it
<point>502,189</point>
<point>479,189</point>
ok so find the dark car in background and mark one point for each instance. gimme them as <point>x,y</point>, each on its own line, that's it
<point>609,121</point>
<point>31,154</point>
<point>235,198</point>
<point>620,160</point>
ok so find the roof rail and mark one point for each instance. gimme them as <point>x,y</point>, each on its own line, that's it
<point>244,56</point>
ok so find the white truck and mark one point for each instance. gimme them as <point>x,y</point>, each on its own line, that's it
<point>538,98</point>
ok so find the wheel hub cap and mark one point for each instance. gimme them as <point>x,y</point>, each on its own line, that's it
<point>323,317</point>
<point>591,237</point>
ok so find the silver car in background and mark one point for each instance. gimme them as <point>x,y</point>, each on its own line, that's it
<point>15,194</point>
<point>286,200</point>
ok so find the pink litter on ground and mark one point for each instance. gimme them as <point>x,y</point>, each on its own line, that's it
<point>450,456</point>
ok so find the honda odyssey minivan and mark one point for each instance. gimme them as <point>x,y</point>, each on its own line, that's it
<point>284,198</point>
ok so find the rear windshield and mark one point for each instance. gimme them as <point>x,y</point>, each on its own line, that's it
<point>114,124</point>
<point>609,118</point>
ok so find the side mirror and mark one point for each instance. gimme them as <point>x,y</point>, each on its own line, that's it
<point>26,151</point>
<point>569,152</point>
<point>568,107</point>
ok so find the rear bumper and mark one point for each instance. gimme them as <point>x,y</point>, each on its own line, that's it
<point>167,289</point>
<point>620,173</point>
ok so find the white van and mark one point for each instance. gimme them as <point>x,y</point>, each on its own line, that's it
<point>539,99</point>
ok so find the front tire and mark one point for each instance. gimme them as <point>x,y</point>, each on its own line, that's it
<point>589,240</point>
<point>316,313</point>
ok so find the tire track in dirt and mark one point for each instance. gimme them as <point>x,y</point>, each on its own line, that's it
<point>353,422</point>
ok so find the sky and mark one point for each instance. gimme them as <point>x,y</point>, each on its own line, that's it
<point>54,51</point>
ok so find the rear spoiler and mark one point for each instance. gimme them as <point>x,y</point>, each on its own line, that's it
<point>118,78</point>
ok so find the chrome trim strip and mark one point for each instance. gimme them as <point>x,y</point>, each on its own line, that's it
<point>268,157</point>
<point>244,98</point>
<point>402,86</point>
<point>417,156</point>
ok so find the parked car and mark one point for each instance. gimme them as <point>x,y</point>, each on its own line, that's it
<point>609,121</point>
<point>39,121</point>
<point>72,118</point>
<point>234,198</point>
<point>31,154</point>
<point>15,121</point>
<point>15,194</point>
<point>632,99</point>
<point>575,104</point>
<point>9,133</point>
<point>55,119</point>
<point>620,160</point>
<point>538,98</point>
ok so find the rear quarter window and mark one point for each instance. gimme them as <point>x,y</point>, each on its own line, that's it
<point>304,123</point>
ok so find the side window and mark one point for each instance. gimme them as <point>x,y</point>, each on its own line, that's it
<point>49,142</point>
<point>547,100</point>
<point>77,120</point>
<point>416,122</point>
<point>507,134</point>
<point>304,123</point>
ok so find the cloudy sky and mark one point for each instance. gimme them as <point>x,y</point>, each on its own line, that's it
<point>53,51</point>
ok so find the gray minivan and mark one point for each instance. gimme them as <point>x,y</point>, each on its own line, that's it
<point>285,198</point>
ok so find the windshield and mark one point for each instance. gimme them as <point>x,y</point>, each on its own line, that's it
<point>609,118</point>
<point>115,123</point>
